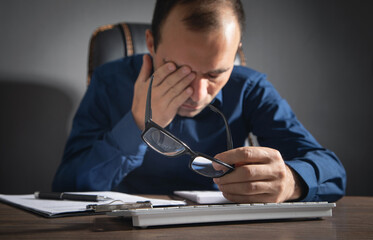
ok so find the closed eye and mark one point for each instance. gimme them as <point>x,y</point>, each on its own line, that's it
<point>210,76</point>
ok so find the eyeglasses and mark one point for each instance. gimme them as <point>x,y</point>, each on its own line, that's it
<point>162,141</point>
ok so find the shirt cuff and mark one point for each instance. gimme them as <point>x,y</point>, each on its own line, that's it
<point>307,173</point>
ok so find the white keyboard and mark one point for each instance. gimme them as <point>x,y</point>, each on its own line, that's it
<point>225,213</point>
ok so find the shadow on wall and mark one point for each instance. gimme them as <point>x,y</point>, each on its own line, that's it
<point>33,131</point>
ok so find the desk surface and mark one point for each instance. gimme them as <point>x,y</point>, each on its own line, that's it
<point>352,219</point>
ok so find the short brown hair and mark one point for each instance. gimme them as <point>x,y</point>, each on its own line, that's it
<point>203,15</point>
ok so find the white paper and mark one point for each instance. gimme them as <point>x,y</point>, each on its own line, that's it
<point>203,197</point>
<point>53,207</point>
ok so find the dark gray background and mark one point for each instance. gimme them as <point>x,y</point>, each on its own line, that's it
<point>318,54</point>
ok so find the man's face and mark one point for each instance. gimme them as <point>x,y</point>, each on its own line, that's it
<point>210,55</point>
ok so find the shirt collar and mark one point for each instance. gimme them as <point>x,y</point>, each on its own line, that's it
<point>218,100</point>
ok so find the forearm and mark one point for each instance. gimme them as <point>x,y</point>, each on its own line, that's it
<point>100,163</point>
<point>295,185</point>
<point>321,176</point>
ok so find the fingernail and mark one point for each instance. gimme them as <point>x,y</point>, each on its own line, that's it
<point>171,67</point>
<point>189,90</point>
<point>191,76</point>
<point>185,70</point>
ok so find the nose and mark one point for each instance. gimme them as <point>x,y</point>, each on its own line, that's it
<point>199,86</point>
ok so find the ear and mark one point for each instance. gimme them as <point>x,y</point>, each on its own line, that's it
<point>149,41</point>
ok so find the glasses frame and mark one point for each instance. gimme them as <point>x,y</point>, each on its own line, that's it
<point>149,123</point>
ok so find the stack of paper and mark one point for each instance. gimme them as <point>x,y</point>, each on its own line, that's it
<point>56,208</point>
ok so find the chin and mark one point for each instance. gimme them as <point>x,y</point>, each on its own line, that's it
<point>188,113</point>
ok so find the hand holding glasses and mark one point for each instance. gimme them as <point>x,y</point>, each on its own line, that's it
<point>167,144</point>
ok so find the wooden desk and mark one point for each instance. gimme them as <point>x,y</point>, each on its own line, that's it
<point>352,219</point>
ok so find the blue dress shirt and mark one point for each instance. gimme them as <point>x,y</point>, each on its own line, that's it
<point>105,150</point>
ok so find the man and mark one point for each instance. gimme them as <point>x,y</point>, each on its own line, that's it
<point>192,46</point>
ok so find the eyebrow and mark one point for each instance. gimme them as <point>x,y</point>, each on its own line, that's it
<point>216,71</point>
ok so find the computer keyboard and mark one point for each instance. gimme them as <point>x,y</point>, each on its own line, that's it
<point>225,213</point>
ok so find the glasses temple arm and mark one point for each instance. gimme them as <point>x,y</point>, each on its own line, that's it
<point>148,110</point>
<point>229,135</point>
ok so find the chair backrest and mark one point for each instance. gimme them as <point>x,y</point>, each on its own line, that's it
<point>111,42</point>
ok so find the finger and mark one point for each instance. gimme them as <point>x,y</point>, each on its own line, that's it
<point>260,198</point>
<point>141,86</point>
<point>146,68</point>
<point>179,83</point>
<point>246,188</point>
<point>179,99</point>
<point>180,92</point>
<point>181,76</point>
<point>174,90</point>
<point>247,173</point>
<point>162,72</point>
<point>249,155</point>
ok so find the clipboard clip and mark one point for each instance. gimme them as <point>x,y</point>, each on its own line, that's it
<point>110,207</point>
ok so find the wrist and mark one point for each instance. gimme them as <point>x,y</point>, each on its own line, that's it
<point>139,122</point>
<point>296,191</point>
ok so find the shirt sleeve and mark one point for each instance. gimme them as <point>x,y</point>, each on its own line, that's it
<point>276,126</point>
<point>99,153</point>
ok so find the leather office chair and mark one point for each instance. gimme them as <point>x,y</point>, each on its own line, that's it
<point>115,41</point>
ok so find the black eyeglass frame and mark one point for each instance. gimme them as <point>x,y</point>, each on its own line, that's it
<point>187,150</point>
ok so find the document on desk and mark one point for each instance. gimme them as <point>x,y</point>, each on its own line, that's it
<point>59,208</point>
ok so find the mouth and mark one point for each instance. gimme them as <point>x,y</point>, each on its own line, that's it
<point>189,107</point>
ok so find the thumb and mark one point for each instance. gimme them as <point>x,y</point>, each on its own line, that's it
<point>248,155</point>
<point>239,156</point>
<point>146,68</point>
<point>229,157</point>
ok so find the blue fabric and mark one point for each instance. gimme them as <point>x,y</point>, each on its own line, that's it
<point>105,150</point>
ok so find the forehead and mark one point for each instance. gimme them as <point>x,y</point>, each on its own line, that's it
<point>206,18</point>
<point>201,50</point>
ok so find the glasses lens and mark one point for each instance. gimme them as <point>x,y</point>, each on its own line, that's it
<point>208,168</point>
<point>162,143</point>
